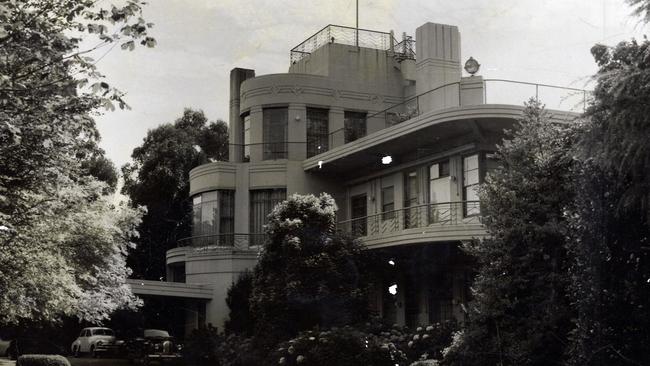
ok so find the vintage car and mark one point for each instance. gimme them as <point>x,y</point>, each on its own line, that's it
<point>151,345</point>
<point>96,341</point>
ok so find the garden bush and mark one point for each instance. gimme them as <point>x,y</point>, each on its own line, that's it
<point>345,346</point>
<point>201,346</point>
<point>42,360</point>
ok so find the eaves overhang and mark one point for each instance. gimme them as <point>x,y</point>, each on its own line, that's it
<point>439,125</point>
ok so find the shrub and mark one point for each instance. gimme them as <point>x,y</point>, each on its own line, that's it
<point>42,360</point>
<point>345,346</point>
<point>201,346</point>
<point>307,275</point>
<point>239,351</point>
<point>240,321</point>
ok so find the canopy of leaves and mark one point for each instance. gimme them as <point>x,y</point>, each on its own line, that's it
<point>158,178</point>
<point>520,314</point>
<point>62,242</point>
<point>307,275</point>
<point>610,225</point>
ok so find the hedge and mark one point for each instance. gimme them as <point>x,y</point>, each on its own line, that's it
<point>42,360</point>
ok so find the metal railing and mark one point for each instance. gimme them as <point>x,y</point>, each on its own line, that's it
<point>420,216</point>
<point>504,91</point>
<point>228,240</point>
<point>352,37</point>
<point>450,95</point>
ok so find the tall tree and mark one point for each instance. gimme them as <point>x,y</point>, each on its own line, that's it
<point>520,313</point>
<point>307,275</point>
<point>62,242</point>
<point>611,219</point>
<point>158,178</point>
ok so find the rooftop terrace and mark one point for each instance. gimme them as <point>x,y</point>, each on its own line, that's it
<point>340,34</point>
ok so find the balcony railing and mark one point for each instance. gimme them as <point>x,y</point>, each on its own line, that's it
<point>353,37</point>
<point>231,240</point>
<point>495,91</point>
<point>265,150</point>
<point>420,216</point>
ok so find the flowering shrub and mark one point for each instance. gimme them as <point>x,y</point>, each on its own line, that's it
<point>373,343</point>
<point>345,346</point>
<point>307,275</point>
<point>42,360</point>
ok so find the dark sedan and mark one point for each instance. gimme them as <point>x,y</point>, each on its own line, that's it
<point>153,345</point>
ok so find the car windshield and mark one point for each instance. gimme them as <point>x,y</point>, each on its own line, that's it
<point>155,333</point>
<point>106,332</point>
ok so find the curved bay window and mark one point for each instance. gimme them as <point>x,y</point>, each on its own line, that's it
<point>213,220</point>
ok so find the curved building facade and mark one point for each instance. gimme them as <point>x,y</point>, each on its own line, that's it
<point>392,130</point>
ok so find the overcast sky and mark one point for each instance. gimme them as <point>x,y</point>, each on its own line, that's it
<point>200,41</point>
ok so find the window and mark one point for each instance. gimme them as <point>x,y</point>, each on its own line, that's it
<point>317,131</point>
<point>247,138</point>
<point>359,211</point>
<point>440,209</point>
<point>470,185</point>
<point>411,193</point>
<point>262,202</point>
<point>213,218</point>
<point>275,133</point>
<point>388,203</point>
<point>355,125</point>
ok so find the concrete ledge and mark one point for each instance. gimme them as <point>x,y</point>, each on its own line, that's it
<point>170,289</point>
<point>428,234</point>
<point>212,176</point>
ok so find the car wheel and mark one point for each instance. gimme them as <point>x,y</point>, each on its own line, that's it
<point>93,354</point>
<point>75,352</point>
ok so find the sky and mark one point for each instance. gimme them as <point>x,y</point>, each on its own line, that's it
<point>200,41</point>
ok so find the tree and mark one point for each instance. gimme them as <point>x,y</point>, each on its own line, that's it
<point>520,313</point>
<point>610,223</point>
<point>158,178</point>
<point>62,242</point>
<point>307,275</point>
<point>238,300</point>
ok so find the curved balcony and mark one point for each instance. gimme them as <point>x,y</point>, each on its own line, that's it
<point>431,222</point>
<point>229,240</point>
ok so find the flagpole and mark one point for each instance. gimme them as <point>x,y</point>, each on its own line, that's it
<point>357,29</point>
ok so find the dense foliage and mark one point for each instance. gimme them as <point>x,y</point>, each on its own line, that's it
<point>62,241</point>
<point>610,224</point>
<point>241,319</point>
<point>42,360</point>
<point>520,313</point>
<point>158,178</point>
<point>307,275</point>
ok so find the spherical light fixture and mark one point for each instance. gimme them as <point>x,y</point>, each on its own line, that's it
<point>472,66</point>
<point>386,159</point>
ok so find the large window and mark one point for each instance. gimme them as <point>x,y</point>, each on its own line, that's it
<point>411,193</point>
<point>275,133</point>
<point>470,185</point>
<point>317,131</point>
<point>440,208</point>
<point>359,211</point>
<point>262,202</point>
<point>246,130</point>
<point>355,125</point>
<point>213,218</point>
<point>388,203</point>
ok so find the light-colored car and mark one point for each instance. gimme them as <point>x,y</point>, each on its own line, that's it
<point>94,340</point>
